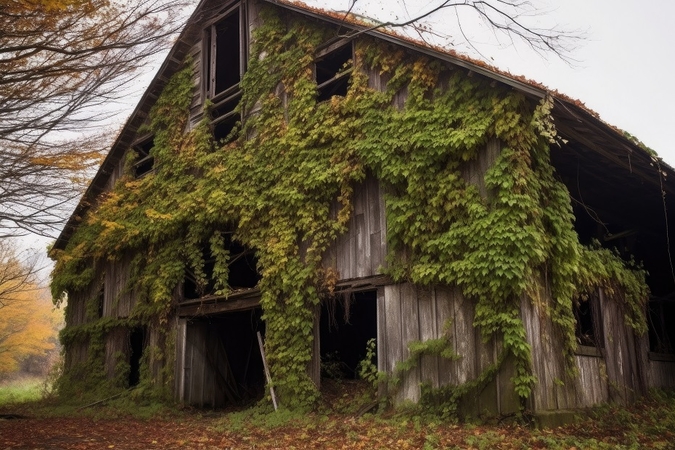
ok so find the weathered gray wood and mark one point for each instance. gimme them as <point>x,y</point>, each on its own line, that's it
<point>591,385</point>
<point>465,338</point>
<point>661,374</point>
<point>426,301</point>
<point>179,368</point>
<point>118,298</point>
<point>411,332</point>
<point>615,351</point>
<point>116,347</point>
<point>394,334</point>
<point>375,249</point>
<point>487,397</point>
<point>361,251</point>
<point>382,340</point>
<point>443,303</point>
<point>232,304</point>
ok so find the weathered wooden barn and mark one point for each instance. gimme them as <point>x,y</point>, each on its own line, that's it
<point>202,344</point>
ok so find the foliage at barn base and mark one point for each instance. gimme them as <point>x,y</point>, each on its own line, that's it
<point>271,186</point>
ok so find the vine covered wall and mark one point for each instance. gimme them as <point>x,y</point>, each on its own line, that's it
<point>273,186</point>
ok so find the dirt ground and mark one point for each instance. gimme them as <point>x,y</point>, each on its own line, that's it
<point>337,425</point>
<point>88,433</point>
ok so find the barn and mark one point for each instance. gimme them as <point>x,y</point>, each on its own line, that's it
<point>354,198</point>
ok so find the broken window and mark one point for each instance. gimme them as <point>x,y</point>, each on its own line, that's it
<point>242,272</point>
<point>224,65</point>
<point>661,335</point>
<point>588,324</point>
<point>332,69</point>
<point>224,120</point>
<point>224,51</point>
<point>145,162</point>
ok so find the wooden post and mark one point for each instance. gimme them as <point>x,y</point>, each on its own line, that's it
<point>267,371</point>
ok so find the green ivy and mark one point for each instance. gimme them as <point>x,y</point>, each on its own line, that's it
<point>273,187</point>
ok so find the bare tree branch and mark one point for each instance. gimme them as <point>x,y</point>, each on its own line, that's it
<point>506,17</point>
<point>63,70</point>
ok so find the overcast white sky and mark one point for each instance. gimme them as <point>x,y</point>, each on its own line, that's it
<point>625,65</point>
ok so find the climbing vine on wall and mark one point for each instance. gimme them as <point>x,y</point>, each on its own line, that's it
<point>275,188</point>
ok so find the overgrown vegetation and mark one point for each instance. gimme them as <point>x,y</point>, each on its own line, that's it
<point>649,424</point>
<point>273,189</point>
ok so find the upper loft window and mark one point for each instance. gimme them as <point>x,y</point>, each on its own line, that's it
<point>332,68</point>
<point>145,162</point>
<point>224,55</point>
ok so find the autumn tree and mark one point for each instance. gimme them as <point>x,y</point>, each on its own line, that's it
<point>28,321</point>
<point>64,65</point>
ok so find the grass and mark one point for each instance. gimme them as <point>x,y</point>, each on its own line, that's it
<point>21,390</point>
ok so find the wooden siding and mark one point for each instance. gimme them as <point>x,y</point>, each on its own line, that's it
<point>362,250</point>
<point>408,313</point>
<point>179,375</point>
<point>553,389</point>
<point>661,374</point>
<point>627,380</point>
<point>116,350</point>
<point>118,299</point>
<point>591,386</point>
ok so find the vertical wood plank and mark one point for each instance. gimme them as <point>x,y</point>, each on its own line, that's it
<point>443,305</point>
<point>179,373</point>
<point>360,251</point>
<point>427,330</point>
<point>376,253</point>
<point>394,334</point>
<point>465,338</point>
<point>411,332</point>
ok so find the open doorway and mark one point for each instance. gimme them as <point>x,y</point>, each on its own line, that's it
<point>136,345</point>
<point>347,324</point>
<point>223,366</point>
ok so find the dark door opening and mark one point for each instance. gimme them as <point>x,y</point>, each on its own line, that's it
<point>347,324</point>
<point>222,361</point>
<point>136,345</point>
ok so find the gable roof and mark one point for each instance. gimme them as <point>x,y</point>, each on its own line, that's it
<point>601,145</point>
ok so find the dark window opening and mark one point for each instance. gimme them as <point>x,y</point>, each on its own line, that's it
<point>224,119</point>
<point>223,362</point>
<point>346,326</point>
<point>136,345</point>
<point>243,273</point>
<point>587,315</point>
<point>224,50</point>
<point>661,331</point>
<point>224,127</point>
<point>146,161</point>
<point>332,73</point>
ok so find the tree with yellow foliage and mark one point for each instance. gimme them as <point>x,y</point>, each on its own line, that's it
<point>63,65</point>
<point>28,321</point>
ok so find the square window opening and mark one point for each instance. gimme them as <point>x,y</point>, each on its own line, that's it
<point>146,161</point>
<point>332,73</point>
<point>587,314</point>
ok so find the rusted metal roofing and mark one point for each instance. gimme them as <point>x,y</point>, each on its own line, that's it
<point>576,123</point>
